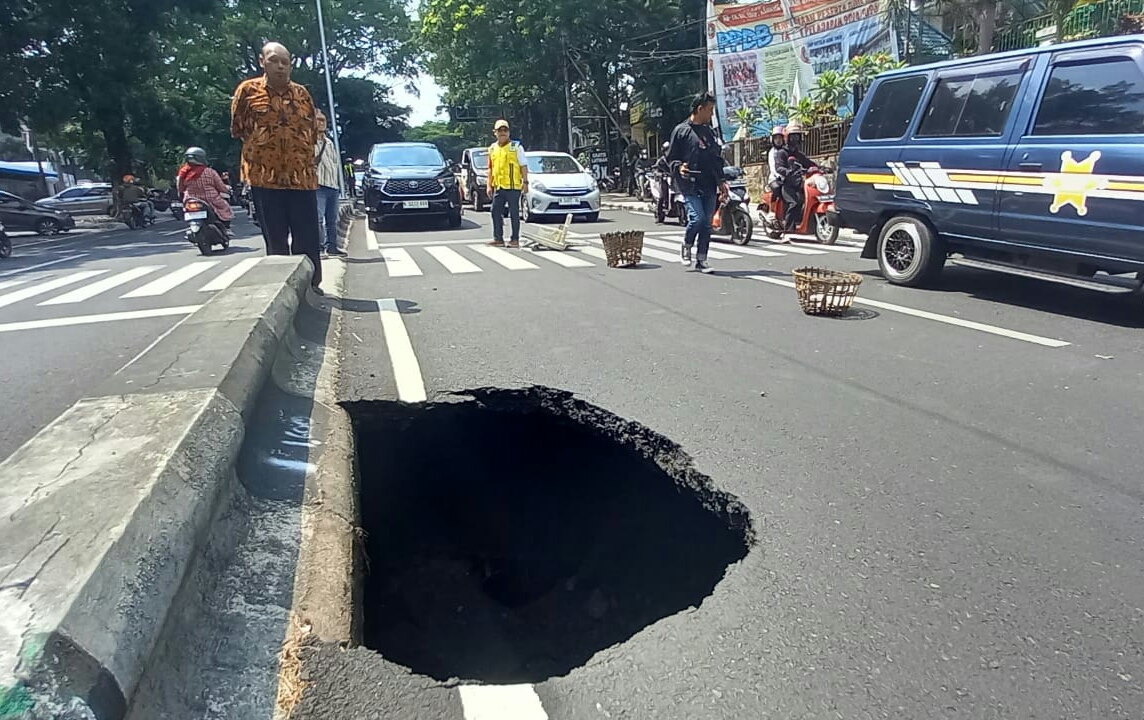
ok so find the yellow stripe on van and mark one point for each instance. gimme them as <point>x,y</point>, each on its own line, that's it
<point>873,178</point>
<point>1129,186</point>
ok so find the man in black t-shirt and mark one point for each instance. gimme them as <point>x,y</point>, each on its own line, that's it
<point>696,160</point>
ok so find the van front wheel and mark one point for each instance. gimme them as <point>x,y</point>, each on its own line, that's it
<point>908,252</point>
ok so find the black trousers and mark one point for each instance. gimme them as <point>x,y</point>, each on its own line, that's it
<point>289,221</point>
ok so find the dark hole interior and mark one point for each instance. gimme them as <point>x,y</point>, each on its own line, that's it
<point>508,542</point>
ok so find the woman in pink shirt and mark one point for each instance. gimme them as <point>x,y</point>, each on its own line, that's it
<point>198,180</point>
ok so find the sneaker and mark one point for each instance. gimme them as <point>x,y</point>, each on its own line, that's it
<point>497,243</point>
<point>514,243</point>
<point>685,255</point>
<point>703,267</point>
<point>336,252</point>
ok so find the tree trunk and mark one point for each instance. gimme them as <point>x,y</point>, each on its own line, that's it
<point>118,149</point>
<point>986,24</point>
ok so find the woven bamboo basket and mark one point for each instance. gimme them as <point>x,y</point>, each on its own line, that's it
<point>623,249</point>
<point>825,292</point>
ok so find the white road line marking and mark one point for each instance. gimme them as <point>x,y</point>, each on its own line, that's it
<point>171,280</point>
<point>101,286</point>
<point>371,242</point>
<point>594,251</point>
<point>711,253</point>
<point>423,244</point>
<point>11,283</point>
<point>453,261</point>
<point>925,314</point>
<point>47,287</point>
<point>17,271</point>
<point>228,277</point>
<point>566,259</point>
<point>744,249</point>
<point>796,249</point>
<point>841,247</point>
<point>399,263</point>
<point>92,319</point>
<point>173,232</point>
<point>501,702</point>
<point>154,342</point>
<point>406,369</point>
<point>504,258</point>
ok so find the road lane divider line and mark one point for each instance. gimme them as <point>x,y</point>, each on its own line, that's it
<point>501,702</point>
<point>453,261</point>
<point>47,287</point>
<point>228,278</point>
<point>406,369</point>
<point>504,258</point>
<point>947,319</point>
<point>153,343</point>
<point>170,281</point>
<point>101,286</point>
<point>17,271</point>
<point>399,263</point>
<point>100,318</point>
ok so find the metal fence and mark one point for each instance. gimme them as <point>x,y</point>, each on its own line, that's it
<point>819,141</point>
<point>1098,19</point>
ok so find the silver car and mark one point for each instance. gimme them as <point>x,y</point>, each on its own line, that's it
<point>86,199</point>
<point>558,186</point>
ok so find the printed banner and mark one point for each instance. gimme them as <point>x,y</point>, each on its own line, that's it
<point>782,46</point>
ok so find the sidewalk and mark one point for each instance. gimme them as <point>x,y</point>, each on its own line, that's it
<point>623,201</point>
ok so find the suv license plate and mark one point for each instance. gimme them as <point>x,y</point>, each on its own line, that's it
<point>415,204</point>
<point>200,215</point>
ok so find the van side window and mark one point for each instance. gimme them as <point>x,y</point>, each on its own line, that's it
<point>892,108</point>
<point>976,106</point>
<point>1093,97</point>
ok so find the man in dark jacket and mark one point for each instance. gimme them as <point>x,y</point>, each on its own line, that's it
<point>697,164</point>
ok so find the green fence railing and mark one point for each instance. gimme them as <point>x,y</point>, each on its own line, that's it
<point>1098,19</point>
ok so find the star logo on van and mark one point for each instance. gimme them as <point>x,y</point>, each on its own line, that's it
<point>1072,185</point>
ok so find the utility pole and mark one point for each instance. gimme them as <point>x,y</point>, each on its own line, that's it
<point>333,123</point>
<point>30,142</point>
<point>567,94</point>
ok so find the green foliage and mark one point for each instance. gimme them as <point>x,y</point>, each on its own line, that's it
<point>450,139</point>
<point>772,108</point>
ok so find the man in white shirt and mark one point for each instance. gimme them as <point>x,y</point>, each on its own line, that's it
<point>329,196</point>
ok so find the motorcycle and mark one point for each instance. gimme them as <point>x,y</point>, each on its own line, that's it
<point>177,209</point>
<point>205,229</point>
<point>656,189</point>
<point>5,244</point>
<point>817,207</point>
<point>732,216</point>
<point>134,216</point>
<point>643,184</point>
<point>159,200</point>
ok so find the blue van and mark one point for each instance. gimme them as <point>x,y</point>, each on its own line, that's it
<point>1028,162</point>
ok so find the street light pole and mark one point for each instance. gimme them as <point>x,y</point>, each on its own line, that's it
<point>330,94</point>
<point>567,95</point>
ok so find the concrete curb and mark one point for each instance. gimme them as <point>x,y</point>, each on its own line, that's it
<point>103,511</point>
<point>633,206</point>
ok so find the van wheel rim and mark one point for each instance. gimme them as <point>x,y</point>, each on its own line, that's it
<point>901,249</point>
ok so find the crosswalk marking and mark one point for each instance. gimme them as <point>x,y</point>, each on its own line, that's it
<point>370,240</point>
<point>505,258</point>
<point>567,259</point>
<point>713,254</point>
<point>399,263</point>
<point>89,291</point>
<point>594,252</point>
<point>47,287</point>
<point>797,250</point>
<point>453,261</point>
<point>11,283</point>
<point>101,318</point>
<point>228,278</point>
<point>57,261</point>
<point>171,280</point>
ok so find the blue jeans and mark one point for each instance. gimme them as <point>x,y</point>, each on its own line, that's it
<point>700,210</point>
<point>328,215</point>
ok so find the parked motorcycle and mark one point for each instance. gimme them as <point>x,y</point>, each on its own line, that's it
<point>732,216</point>
<point>817,208</point>
<point>205,229</point>
<point>5,244</point>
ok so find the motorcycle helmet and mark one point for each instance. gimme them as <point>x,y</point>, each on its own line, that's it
<point>128,179</point>
<point>196,156</point>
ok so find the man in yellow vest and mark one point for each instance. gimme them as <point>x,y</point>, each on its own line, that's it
<point>508,178</point>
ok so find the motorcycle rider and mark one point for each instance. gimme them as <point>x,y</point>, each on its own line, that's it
<point>133,192</point>
<point>778,140</point>
<point>663,177</point>
<point>197,179</point>
<point>786,159</point>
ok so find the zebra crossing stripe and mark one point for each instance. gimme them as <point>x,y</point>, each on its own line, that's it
<point>504,258</point>
<point>399,263</point>
<point>170,281</point>
<point>96,288</point>
<point>46,287</point>
<point>453,261</point>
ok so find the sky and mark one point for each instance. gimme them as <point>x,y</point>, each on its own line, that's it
<point>424,108</point>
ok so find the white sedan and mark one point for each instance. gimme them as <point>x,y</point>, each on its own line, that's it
<point>557,186</point>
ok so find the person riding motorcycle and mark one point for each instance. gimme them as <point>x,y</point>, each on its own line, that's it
<point>132,192</point>
<point>663,168</point>
<point>197,179</point>
<point>774,182</point>
<point>786,160</point>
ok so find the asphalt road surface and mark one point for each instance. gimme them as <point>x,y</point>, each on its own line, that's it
<point>944,486</point>
<point>78,308</point>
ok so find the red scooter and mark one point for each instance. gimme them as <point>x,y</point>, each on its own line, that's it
<point>817,209</point>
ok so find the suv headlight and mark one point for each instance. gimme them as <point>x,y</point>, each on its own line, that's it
<point>822,184</point>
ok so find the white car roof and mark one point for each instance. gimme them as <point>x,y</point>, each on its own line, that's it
<point>546,153</point>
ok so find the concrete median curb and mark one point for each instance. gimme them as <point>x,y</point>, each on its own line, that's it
<point>102,512</point>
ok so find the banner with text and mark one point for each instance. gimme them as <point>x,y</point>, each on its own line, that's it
<point>782,46</point>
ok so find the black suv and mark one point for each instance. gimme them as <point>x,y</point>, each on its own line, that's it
<point>410,180</point>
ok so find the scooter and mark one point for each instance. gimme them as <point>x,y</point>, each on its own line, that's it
<point>656,189</point>
<point>205,229</point>
<point>732,216</point>
<point>5,244</point>
<point>817,207</point>
<point>135,216</point>
<point>177,209</point>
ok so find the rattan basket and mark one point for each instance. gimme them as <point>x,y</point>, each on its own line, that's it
<point>825,292</point>
<point>623,249</point>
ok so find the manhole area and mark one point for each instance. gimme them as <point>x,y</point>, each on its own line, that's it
<point>510,537</point>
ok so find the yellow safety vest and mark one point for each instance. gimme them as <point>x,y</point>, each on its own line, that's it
<point>504,167</point>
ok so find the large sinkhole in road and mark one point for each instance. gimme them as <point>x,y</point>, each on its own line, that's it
<point>512,535</point>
